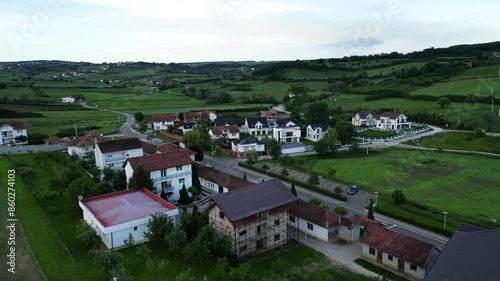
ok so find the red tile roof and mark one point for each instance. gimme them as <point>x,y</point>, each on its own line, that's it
<point>89,139</point>
<point>365,222</point>
<point>126,206</point>
<point>226,180</point>
<point>165,117</point>
<point>148,148</point>
<point>169,147</point>
<point>318,215</point>
<point>266,114</point>
<point>17,125</point>
<point>396,244</point>
<point>193,116</point>
<point>219,130</point>
<point>155,162</point>
<point>52,140</point>
<point>119,145</point>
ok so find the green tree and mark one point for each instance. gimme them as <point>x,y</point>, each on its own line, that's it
<point>479,133</point>
<point>443,101</point>
<point>87,236</point>
<point>184,196</point>
<point>95,172</point>
<point>195,179</point>
<point>176,240</point>
<point>317,113</point>
<point>108,260</point>
<point>321,147</point>
<point>274,148</point>
<point>159,226</point>
<point>370,211</point>
<point>158,266</point>
<point>121,272</point>
<point>354,149</point>
<point>185,276</point>
<point>143,252</point>
<point>163,194</point>
<point>108,174</point>
<point>199,249</point>
<point>244,175</point>
<point>313,179</point>
<point>338,190</point>
<point>221,246</point>
<point>341,210</point>
<point>130,241</point>
<point>315,201</point>
<point>252,156</point>
<point>139,117</point>
<point>140,179</point>
<point>331,139</point>
<point>331,171</point>
<point>119,180</point>
<point>198,137</point>
<point>311,163</point>
<point>192,223</point>
<point>284,172</point>
<point>293,189</point>
<point>398,197</point>
<point>345,132</point>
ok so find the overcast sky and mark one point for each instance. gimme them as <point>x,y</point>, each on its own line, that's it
<point>222,30</point>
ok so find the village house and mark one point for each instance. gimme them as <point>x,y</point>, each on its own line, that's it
<point>224,121</point>
<point>398,252</point>
<point>116,215</point>
<point>286,131</point>
<point>13,133</point>
<point>113,153</point>
<point>496,55</point>
<point>315,132</point>
<point>257,126</point>
<point>195,116</point>
<point>365,118</point>
<point>163,121</point>
<point>68,99</point>
<point>52,140</point>
<point>84,145</point>
<point>392,121</point>
<point>169,147</point>
<point>149,148</point>
<point>219,182</point>
<point>248,144</point>
<point>228,132</point>
<point>168,171</point>
<point>187,127</point>
<point>254,217</point>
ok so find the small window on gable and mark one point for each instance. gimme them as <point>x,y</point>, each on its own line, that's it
<point>389,257</point>
<point>372,251</point>
<point>310,226</point>
<point>276,222</point>
<point>221,215</point>
<point>135,228</point>
<point>413,267</point>
<point>291,218</point>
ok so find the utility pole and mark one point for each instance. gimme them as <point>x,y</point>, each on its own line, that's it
<point>491,93</point>
<point>76,131</point>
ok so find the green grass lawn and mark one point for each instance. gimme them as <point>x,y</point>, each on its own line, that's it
<point>375,134</point>
<point>474,86</point>
<point>459,141</point>
<point>379,270</point>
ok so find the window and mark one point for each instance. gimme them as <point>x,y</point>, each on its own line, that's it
<point>221,215</point>
<point>291,218</point>
<point>178,168</point>
<point>276,237</point>
<point>258,229</point>
<point>163,172</point>
<point>309,226</point>
<point>372,251</point>
<point>135,228</point>
<point>389,257</point>
<point>181,180</point>
<point>276,222</point>
<point>243,248</point>
<point>413,267</point>
<point>244,232</point>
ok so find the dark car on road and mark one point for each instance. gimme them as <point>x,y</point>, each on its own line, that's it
<point>353,190</point>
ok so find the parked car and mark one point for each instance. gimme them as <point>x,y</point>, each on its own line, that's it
<point>353,190</point>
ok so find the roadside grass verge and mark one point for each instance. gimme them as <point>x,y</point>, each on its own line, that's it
<point>459,141</point>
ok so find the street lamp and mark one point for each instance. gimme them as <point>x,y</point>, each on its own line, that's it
<point>444,224</point>
<point>376,198</point>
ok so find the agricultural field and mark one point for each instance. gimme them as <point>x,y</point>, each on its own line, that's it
<point>474,86</point>
<point>459,141</point>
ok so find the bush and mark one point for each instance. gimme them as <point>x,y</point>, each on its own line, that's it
<point>341,210</point>
<point>315,201</point>
<point>398,197</point>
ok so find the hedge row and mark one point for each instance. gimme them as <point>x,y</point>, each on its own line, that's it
<point>297,182</point>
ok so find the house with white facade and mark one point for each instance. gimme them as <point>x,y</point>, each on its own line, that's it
<point>219,182</point>
<point>392,121</point>
<point>397,252</point>
<point>13,133</point>
<point>248,144</point>
<point>68,99</point>
<point>187,127</point>
<point>195,116</point>
<point>83,145</point>
<point>116,215</point>
<point>230,132</point>
<point>168,171</point>
<point>366,118</point>
<point>286,131</point>
<point>113,153</point>
<point>257,127</point>
<point>163,121</point>
<point>315,132</point>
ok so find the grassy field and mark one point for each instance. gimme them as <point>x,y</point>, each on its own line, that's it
<point>459,141</point>
<point>473,86</point>
<point>462,184</point>
<point>375,134</point>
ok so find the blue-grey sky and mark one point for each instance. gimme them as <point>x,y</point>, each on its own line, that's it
<point>221,30</point>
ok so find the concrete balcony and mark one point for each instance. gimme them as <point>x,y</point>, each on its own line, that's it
<point>172,176</point>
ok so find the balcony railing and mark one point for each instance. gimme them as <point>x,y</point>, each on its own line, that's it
<point>114,159</point>
<point>172,176</point>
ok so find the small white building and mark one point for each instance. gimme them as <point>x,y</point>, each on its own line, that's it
<point>163,121</point>
<point>168,171</point>
<point>248,144</point>
<point>315,132</point>
<point>116,215</point>
<point>230,132</point>
<point>13,133</point>
<point>68,99</point>
<point>187,127</point>
<point>393,121</point>
<point>84,144</point>
<point>219,182</point>
<point>286,131</point>
<point>114,153</point>
<point>366,118</point>
<point>195,116</point>
<point>257,127</point>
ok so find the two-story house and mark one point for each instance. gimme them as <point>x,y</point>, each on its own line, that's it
<point>315,132</point>
<point>248,144</point>
<point>169,171</point>
<point>257,126</point>
<point>219,182</point>
<point>229,132</point>
<point>393,121</point>
<point>366,118</point>
<point>195,116</point>
<point>83,145</point>
<point>224,121</point>
<point>13,133</point>
<point>286,131</point>
<point>254,217</point>
<point>163,121</point>
<point>113,153</point>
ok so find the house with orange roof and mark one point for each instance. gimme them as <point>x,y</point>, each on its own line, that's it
<point>13,133</point>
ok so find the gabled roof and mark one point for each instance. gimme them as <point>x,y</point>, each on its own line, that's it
<point>365,222</point>
<point>226,180</point>
<point>89,139</point>
<point>318,215</point>
<point>53,140</point>
<point>390,115</point>
<point>471,254</point>
<point>160,161</point>
<point>252,121</point>
<point>323,127</point>
<point>254,199</point>
<point>219,130</point>
<point>126,206</point>
<point>282,123</point>
<point>396,244</point>
<point>171,147</point>
<point>148,148</point>
<point>17,125</point>
<point>364,113</point>
<point>224,121</point>
<point>248,141</point>
<point>119,145</point>
<point>188,116</point>
<point>164,118</point>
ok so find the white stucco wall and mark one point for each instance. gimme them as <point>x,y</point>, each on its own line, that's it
<point>317,231</point>
<point>115,160</point>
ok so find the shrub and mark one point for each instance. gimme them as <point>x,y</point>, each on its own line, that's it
<point>341,210</point>
<point>315,201</point>
<point>398,197</point>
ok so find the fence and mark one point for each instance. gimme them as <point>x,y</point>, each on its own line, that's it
<point>25,149</point>
<point>174,136</point>
<point>232,153</point>
<point>423,128</point>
